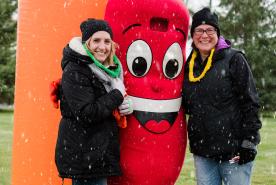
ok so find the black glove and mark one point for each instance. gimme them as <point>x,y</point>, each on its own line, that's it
<point>247,153</point>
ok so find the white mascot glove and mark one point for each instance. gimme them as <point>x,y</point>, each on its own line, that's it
<point>126,107</point>
<point>117,83</point>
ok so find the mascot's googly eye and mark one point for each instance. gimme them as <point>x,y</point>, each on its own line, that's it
<point>139,58</point>
<point>173,61</point>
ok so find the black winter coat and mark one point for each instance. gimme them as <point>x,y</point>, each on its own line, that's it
<point>222,106</point>
<point>88,141</point>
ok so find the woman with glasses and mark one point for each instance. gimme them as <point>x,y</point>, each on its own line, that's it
<point>220,97</point>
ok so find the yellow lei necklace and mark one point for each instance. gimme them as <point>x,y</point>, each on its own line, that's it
<point>207,67</point>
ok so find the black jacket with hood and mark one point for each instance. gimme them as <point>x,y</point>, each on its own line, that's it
<point>88,141</point>
<point>223,106</point>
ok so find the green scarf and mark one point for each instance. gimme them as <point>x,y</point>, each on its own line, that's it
<point>113,73</point>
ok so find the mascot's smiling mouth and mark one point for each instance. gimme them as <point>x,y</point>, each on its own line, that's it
<point>156,116</point>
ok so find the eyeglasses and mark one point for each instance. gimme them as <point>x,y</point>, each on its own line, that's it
<point>209,31</point>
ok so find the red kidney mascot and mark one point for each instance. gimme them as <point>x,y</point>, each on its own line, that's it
<point>152,36</point>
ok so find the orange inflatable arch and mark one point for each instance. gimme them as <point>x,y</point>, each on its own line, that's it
<point>44,28</point>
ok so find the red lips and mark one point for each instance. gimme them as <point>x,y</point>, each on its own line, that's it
<point>157,127</point>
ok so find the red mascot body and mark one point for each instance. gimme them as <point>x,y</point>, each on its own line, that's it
<point>152,36</point>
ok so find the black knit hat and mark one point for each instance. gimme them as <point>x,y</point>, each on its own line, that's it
<point>91,26</point>
<point>205,16</point>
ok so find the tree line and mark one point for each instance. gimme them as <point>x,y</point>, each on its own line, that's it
<point>8,25</point>
<point>248,24</point>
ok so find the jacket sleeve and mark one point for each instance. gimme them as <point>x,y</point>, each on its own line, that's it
<point>80,95</point>
<point>247,95</point>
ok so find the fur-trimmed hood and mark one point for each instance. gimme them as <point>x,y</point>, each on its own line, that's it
<point>74,52</point>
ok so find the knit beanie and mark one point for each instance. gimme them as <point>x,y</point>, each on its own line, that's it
<point>91,26</point>
<point>205,16</point>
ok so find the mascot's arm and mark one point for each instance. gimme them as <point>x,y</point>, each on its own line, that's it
<point>54,92</point>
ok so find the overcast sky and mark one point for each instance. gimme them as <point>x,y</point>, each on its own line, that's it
<point>199,4</point>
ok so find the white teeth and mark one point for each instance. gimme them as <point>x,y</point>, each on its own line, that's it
<point>158,106</point>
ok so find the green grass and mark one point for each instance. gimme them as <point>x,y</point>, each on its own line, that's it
<point>264,169</point>
<point>6,125</point>
<point>264,172</point>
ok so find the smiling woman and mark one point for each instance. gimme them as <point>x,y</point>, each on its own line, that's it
<point>100,45</point>
<point>91,89</point>
<point>220,97</point>
<point>205,37</point>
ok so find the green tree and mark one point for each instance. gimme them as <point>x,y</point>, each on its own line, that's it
<point>250,26</point>
<point>7,50</point>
